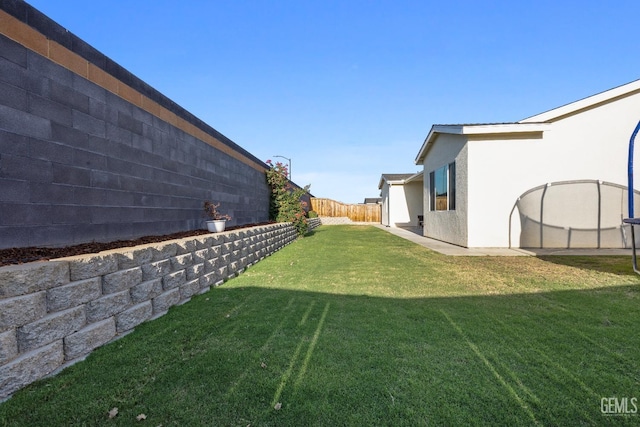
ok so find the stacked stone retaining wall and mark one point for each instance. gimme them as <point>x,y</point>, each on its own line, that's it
<point>54,313</point>
<point>313,223</point>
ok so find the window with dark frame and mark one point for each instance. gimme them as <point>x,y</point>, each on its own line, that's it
<point>452,186</point>
<point>442,188</point>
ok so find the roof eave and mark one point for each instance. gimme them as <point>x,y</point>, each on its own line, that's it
<point>411,178</point>
<point>415,177</point>
<point>478,129</point>
<point>426,145</point>
<point>585,103</point>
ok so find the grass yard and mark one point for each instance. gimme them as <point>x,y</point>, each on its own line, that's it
<point>354,326</point>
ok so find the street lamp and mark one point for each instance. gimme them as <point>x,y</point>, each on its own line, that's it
<point>289,160</point>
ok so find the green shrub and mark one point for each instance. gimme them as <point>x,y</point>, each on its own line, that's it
<point>312,214</point>
<point>285,204</point>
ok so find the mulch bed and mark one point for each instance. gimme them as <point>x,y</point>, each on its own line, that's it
<point>22,255</point>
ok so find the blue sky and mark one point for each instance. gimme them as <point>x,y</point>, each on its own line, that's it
<point>349,89</point>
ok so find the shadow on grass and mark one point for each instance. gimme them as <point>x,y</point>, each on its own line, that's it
<point>233,354</point>
<point>311,233</point>
<point>601,263</point>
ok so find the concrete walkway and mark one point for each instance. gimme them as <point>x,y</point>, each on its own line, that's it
<point>453,250</point>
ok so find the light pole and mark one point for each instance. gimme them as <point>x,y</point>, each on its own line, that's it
<point>289,160</point>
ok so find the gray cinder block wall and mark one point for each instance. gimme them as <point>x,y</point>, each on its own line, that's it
<point>89,152</point>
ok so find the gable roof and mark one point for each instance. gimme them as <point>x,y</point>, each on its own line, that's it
<point>538,123</point>
<point>372,200</point>
<point>477,129</point>
<point>396,176</point>
<point>399,178</point>
<point>586,103</point>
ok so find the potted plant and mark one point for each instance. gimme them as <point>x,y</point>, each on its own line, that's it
<point>217,220</point>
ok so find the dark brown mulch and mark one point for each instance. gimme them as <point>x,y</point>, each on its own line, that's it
<point>22,255</point>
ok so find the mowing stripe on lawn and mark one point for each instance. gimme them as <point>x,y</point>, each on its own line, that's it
<point>312,346</point>
<point>543,355</point>
<point>287,373</point>
<point>508,345</point>
<point>549,362</point>
<point>264,347</point>
<point>493,370</point>
<point>306,314</point>
<point>285,377</point>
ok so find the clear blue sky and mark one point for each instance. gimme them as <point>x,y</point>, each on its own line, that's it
<point>349,89</point>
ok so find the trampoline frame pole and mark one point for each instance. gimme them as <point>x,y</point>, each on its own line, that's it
<point>630,196</point>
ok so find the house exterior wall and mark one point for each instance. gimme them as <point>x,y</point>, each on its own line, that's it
<point>404,204</point>
<point>499,172</point>
<point>448,226</point>
<point>385,204</point>
<point>589,145</point>
<point>415,202</point>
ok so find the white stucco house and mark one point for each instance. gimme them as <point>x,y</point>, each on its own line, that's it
<point>556,179</point>
<point>402,195</point>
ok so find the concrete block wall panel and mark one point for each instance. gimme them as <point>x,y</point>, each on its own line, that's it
<point>54,313</point>
<point>89,152</point>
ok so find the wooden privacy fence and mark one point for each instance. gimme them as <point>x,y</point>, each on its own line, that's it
<point>358,213</point>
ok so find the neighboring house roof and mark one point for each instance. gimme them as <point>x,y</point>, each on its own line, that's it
<point>399,178</point>
<point>372,200</point>
<point>536,124</point>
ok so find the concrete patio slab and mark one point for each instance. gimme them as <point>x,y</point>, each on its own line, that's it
<point>586,252</point>
<point>453,250</point>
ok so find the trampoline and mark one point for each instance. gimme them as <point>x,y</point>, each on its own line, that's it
<point>632,220</point>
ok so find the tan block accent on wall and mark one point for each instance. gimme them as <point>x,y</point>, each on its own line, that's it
<point>168,116</point>
<point>61,55</point>
<point>151,106</point>
<point>129,94</point>
<point>35,41</point>
<point>102,78</point>
<point>23,34</point>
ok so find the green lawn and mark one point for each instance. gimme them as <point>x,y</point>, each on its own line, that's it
<point>355,326</point>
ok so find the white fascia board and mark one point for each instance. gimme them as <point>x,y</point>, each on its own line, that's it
<point>389,182</point>
<point>585,103</point>
<point>502,128</point>
<point>423,149</point>
<point>416,177</point>
<point>431,136</point>
<point>478,129</point>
